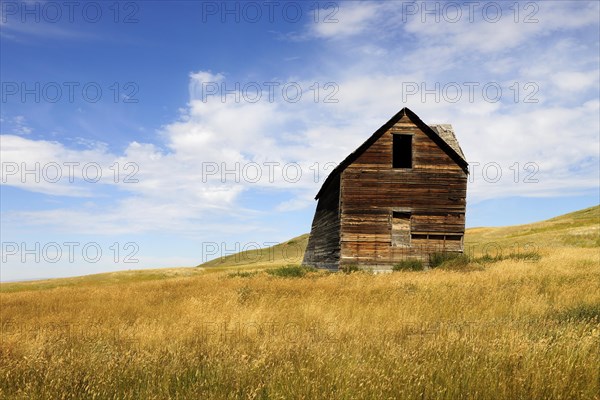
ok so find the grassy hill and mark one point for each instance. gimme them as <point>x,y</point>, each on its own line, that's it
<point>290,252</point>
<point>512,328</point>
<point>576,229</point>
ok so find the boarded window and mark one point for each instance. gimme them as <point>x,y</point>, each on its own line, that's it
<point>402,151</point>
<point>400,229</point>
<point>438,242</point>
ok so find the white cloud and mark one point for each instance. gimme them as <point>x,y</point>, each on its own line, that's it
<point>574,81</point>
<point>179,190</point>
<point>343,20</point>
<point>47,167</point>
<point>21,127</point>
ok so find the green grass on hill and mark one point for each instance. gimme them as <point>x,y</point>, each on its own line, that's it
<point>584,223</point>
<point>577,229</point>
<point>290,252</point>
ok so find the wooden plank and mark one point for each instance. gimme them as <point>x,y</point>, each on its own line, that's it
<point>434,190</point>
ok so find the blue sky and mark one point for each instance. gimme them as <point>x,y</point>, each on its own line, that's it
<point>170,96</point>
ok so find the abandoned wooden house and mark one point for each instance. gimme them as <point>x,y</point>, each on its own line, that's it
<point>401,195</point>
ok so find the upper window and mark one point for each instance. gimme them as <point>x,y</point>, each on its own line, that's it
<point>402,151</point>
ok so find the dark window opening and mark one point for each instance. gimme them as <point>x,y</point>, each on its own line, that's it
<point>402,151</point>
<point>436,236</point>
<point>453,237</point>
<point>419,236</point>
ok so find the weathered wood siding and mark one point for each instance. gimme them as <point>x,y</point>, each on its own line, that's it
<point>433,191</point>
<point>323,249</point>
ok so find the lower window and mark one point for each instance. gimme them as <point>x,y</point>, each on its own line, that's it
<point>400,229</point>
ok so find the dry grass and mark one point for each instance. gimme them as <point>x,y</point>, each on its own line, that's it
<point>511,329</point>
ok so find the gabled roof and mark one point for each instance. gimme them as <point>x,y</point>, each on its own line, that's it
<point>442,135</point>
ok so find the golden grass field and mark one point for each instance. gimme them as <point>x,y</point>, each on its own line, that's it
<point>507,329</point>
